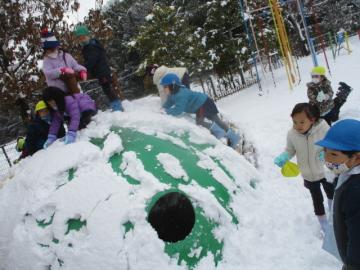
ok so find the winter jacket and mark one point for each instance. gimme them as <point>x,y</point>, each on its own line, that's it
<point>346,218</point>
<point>184,100</point>
<point>74,106</point>
<point>37,133</point>
<point>51,69</point>
<point>161,72</point>
<point>321,96</point>
<point>307,153</point>
<point>96,61</point>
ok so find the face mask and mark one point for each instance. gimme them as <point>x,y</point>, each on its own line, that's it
<point>53,55</point>
<point>84,43</point>
<point>46,118</point>
<point>337,168</point>
<point>316,80</point>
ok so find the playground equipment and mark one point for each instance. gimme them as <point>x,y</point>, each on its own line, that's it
<point>292,71</point>
<point>137,192</point>
<point>246,17</point>
<point>290,63</point>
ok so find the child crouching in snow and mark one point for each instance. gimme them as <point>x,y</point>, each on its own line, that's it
<point>307,129</point>
<point>78,107</point>
<point>181,99</point>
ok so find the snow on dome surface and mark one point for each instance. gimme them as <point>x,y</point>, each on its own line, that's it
<point>86,205</point>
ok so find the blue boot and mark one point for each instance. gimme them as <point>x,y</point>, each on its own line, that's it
<point>116,105</point>
<point>233,137</point>
<point>217,131</point>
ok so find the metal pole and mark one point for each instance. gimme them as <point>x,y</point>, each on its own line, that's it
<point>250,43</point>
<point>6,156</point>
<point>311,47</point>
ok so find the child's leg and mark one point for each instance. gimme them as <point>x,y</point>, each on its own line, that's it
<point>86,118</point>
<point>200,121</point>
<point>215,118</point>
<point>317,197</point>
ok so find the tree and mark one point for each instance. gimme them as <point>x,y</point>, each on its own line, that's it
<point>20,51</point>
<point>168,38</point>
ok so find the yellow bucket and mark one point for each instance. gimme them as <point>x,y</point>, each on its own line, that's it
<point>290,169</point>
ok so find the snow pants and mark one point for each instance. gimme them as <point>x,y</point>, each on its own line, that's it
<point>317,196</point>
<point>209,110</point>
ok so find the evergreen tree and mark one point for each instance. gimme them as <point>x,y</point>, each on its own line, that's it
<point>168,38</point>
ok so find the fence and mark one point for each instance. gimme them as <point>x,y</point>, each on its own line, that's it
<point>7,157</point>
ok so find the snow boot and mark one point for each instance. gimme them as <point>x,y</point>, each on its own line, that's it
<point>323,223</point>
<point>217,131</point>
<point>233,138</point>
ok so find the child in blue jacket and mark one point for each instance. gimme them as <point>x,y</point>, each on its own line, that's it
<point>181,99</point>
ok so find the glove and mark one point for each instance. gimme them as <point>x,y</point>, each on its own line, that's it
<point>281,159</point>
<point>321,97</point>
<point>70,137</point>
<point>83,75</point>
<point>66,70</point>
<point>116,105</point>
<point>50,140</point>
<point>321,156</point>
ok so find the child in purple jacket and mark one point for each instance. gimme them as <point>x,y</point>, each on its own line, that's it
<point>78,107</point>
<point>57,63</point>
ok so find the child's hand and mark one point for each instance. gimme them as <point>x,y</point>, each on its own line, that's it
<point>70,137</point>
<point>281,159</point>
<point>50,140</point>
<point>83,75</point>
<point>67,70</point>
<point>322,156</point>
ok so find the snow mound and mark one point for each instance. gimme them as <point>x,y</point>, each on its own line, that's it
<point>86,205</point>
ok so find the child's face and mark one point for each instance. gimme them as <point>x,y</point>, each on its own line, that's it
<point>338,157</point>
<point>302,123</point>
<point>52,104</point>
<point>43,113</point>
<point>316,79</point>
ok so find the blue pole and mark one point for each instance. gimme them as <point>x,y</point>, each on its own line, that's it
<point>250,41</point>
<point>307,34</point>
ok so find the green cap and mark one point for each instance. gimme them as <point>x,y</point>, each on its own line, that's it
<point>81,30</point>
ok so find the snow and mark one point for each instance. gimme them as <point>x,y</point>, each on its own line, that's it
<point>172,166</point>
<point>277,228</point>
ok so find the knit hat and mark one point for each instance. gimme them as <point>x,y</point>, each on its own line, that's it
<point>81,30</point>
<point>48,39</point>
<point>319,70</point>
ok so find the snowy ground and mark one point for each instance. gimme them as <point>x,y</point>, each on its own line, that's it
<point>285,227</point>
<point>279,229</point>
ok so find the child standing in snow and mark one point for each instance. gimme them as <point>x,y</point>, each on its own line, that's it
<point>60,68</point>
<point>321,94</point>
<point>78,107</point>
<point>307,129</point>
<point>342,155</point>
<point>181,99</point>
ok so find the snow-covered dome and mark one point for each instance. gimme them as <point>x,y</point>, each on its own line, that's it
<point>136,191</point>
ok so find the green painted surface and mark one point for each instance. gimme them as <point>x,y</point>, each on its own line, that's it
<point>201,240</point>
<point>43,223</point>
<point>75,225</point>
